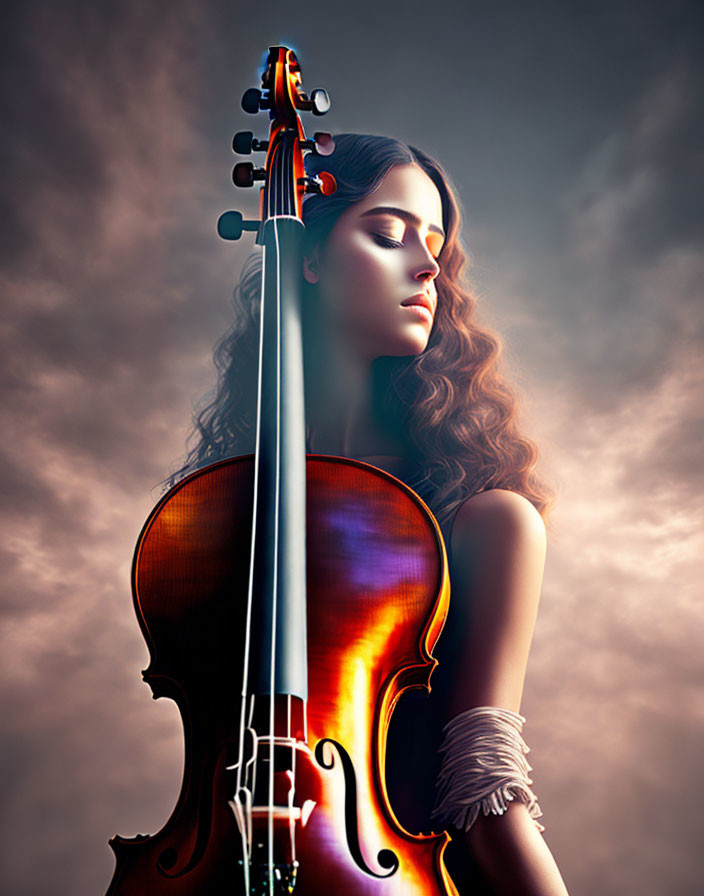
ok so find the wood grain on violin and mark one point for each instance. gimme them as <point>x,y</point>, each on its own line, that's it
<point>378,592</point>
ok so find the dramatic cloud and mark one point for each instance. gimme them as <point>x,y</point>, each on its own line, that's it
<point>616,670</point>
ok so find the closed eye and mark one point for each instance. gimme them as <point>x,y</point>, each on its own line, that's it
<point>386,241</point>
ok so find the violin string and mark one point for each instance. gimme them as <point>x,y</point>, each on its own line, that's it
<point>271,203</point>
<point>247,846</point>
<point>292,210</point>
<point>292,789</point>
<point>281,201</point>
<point>270,808</point>
<point>247,648</point>
<point>251,773</point>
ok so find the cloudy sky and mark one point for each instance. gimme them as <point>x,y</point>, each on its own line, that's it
<point>573,132</point>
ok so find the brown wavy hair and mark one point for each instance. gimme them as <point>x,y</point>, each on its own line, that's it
<point>450,406</point>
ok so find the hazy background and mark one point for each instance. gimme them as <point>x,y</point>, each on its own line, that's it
<point>574,134</point>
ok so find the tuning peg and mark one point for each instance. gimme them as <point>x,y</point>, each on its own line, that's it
<point>244,142</point>
<point>324,183</point>
<point>320,100</point>
<point>322,144</point>
<point>244,174</point>
<point>232,224</point>
<point>251,100</point>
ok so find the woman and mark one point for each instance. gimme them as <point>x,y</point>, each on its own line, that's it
<point>400,375</point>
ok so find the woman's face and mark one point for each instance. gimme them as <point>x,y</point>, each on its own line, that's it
<point>376,274</point>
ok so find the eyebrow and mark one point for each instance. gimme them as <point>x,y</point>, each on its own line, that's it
<point>403,214</point>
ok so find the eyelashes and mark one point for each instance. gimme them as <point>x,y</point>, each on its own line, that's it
<point>386,241</point>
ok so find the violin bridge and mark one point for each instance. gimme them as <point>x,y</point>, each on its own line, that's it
<point>267,812</point>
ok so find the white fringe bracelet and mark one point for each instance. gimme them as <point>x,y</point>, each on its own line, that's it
<point>483,768</point>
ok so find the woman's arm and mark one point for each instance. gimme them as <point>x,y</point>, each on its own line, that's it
<point>498,550</point>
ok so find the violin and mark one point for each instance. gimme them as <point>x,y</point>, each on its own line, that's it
<point>287,602</point>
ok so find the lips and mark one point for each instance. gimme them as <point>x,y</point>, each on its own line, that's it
<point>422,300</point>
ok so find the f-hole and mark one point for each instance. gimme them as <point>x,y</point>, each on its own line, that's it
<point>386,858</point>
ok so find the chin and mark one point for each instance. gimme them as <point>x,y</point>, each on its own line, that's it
<point>402,345</point>
<point>415,346</point>
<point>406,351</point>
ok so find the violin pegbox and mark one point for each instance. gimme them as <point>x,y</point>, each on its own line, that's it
<point>284,177</point>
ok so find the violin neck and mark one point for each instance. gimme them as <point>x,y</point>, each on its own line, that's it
<point>278,648</point>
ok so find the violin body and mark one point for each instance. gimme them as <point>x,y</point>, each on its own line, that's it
<point>378,593</point>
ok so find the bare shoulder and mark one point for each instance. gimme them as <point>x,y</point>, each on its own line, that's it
<point>498,557</point>
<point>498,514</point>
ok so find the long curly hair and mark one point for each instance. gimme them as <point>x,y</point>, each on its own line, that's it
<point>449,406</point>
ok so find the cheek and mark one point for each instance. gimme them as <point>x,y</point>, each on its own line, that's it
<point>359,276</point>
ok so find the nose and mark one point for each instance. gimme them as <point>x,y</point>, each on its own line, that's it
<point>427,268</point>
